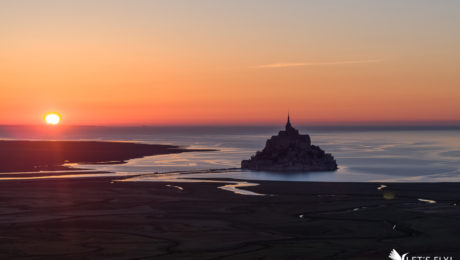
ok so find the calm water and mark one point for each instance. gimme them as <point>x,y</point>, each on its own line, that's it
<point>363,155</point>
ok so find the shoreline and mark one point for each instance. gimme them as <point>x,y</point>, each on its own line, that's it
<point>21,156</point>
<point>182,176</point>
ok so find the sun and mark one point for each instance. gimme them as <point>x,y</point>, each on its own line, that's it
<point>52,118</point>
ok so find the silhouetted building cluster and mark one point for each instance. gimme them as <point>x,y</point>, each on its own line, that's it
<point>290,151</point>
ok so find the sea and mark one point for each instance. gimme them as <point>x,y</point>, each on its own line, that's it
<point>363,153</point>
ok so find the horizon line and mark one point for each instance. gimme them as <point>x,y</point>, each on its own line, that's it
<point>425,123</point>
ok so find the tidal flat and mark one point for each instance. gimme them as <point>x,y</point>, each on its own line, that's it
<point>99,218</point>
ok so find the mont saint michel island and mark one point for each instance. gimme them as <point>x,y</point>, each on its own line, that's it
<point>290,151</point>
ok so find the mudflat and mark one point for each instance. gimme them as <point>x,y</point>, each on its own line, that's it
<point>51,155</point>
<point>100,218</point>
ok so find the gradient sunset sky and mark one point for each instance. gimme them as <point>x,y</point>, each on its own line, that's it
<point>112,62</point>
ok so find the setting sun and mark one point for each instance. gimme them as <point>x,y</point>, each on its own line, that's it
<point>52,118</point>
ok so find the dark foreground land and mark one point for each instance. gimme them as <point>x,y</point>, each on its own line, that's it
<point>50,155</point>
<point>100,219</point>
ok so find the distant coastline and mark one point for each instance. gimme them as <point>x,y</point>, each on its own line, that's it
<point>18,155</point>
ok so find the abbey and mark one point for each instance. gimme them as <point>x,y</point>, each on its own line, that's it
<point>290,151</point>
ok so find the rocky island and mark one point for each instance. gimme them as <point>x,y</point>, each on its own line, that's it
<point>290,151</point>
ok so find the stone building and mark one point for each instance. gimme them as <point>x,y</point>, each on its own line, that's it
<point>290,151</point>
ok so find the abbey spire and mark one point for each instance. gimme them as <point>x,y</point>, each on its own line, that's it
<point>288,124</point>
<point>289,130</point>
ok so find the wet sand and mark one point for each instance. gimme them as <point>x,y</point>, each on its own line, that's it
<point>96,218</point>
<point>24,156</point>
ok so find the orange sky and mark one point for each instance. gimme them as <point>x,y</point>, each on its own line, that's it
<point>235,62</point>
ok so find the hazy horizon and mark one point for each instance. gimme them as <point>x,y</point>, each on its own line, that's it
<point>406,123</point>
<point>46,130</point>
